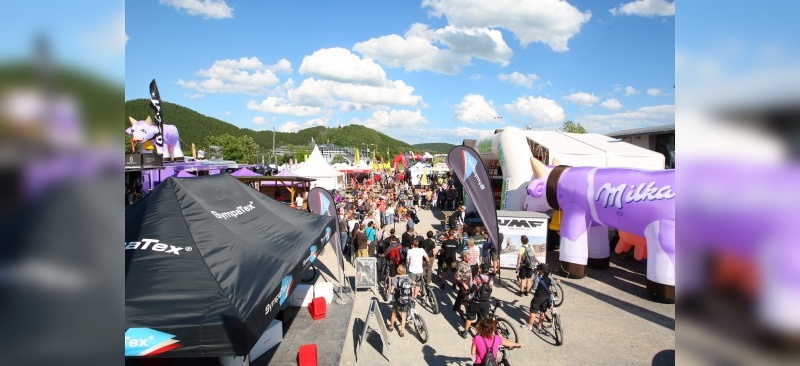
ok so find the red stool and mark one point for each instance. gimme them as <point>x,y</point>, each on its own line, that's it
<point>318,307</point>
<point>307,356</point>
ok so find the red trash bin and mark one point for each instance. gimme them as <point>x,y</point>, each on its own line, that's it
<point>318,307</point>
<point>307,355</point>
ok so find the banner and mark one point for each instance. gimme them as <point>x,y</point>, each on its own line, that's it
<point>155,104</point>
<point>467,165</point>
<point>321,202</point>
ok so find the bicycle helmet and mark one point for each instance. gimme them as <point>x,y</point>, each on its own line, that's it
<point>543,267</point>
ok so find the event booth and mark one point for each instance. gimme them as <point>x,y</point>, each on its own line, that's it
<point>209,262</point>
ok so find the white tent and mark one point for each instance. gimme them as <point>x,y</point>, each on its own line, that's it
<point>316,167</point>
<point>622,154</point>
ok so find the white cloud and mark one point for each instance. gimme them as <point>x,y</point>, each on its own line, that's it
<point>329,93</point>
<point>539,110</point>
<point>282,106</point>
<point>475,109</point>
<point>339,64</point>
<point>611,104</point>
<point>216,9</point>
<point>227,113</point>
<point>552,22</point>
<point>454,136</point>
<point>419,48</point>
<point>583,99</point>
<point>395,119</point>
<point>642,117</point>
<point>516,78</point>
<point>654,91</point>
<point>258,120</point>
<point>629,90</point>
<point>476,77</point>
<point>246,75</point>
<point>293,126</point>
<point>283,66</point>
<point>194,96</point>
<point>645,8</point>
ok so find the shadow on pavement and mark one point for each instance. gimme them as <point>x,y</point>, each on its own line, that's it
<point>664,358</point>
<point>639,311</point>
<point>431,358</point>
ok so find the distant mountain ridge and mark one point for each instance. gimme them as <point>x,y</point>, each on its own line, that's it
<point>194,127</point>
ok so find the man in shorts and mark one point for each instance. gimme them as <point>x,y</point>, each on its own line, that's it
<point>542,298</point>
<point>447,259</point>
<point>401,301</point>
<point>463,281</point>
<point>525,267</point>
<point>478,307</point>
<point>416,258</point>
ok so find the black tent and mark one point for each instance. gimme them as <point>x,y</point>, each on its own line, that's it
<point>209,262</point>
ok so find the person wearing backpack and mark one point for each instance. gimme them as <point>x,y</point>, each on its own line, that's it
<point>393,256</point>
<point>486,343</point>
<point>401,288</point>
<point>525,264</point>
<point>542,298</point>
<point>481,293</point>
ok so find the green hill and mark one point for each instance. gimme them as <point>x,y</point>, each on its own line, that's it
<point>434,147</point>
<point>195,127</point>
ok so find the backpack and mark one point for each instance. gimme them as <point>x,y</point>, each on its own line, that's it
<point>528,259</point>
<point>489,358</point>
<point>403,292</point>
<point>485,291</point>
<point>395,256</point>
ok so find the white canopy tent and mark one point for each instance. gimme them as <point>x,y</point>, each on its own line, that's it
<point>316,167</point>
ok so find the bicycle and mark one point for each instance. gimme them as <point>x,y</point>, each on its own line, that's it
<point>557,291</point>
<point>419,324</point>
<point>428,297</point>
<point>384,281</point>
<point>504,351</point>
<point>558,328</point>
<point>504,327</point>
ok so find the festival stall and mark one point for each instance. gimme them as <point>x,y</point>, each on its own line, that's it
<point>209,263</point>
<point>316,167</point>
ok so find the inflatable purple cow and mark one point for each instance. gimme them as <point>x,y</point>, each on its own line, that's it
<point>640,202</point>
<point>143,131</point>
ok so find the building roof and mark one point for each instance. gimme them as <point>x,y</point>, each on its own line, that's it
<point>644,131</point>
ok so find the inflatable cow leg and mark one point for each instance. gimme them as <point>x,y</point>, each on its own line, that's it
<point>574,251</point>
<point>660,237</point>
<point>599,248</point>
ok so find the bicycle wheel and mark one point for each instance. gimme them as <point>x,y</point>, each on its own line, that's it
<point>421,328</point>
<point>558,329</point>
<point>506,330</point>
<point>558,294</point>
<point>385,289</point>
<point>432,300</point>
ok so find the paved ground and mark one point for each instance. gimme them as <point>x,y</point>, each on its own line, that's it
<point>609,320</point>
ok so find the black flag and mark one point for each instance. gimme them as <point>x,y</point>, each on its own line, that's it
<point>467,165</point>
<point>155,104</point>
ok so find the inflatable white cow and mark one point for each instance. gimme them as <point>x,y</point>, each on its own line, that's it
<point>144,131</point>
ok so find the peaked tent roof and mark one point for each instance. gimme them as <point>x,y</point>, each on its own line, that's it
<point>244,172</point>
<point>209,262</point>
<point>316,166</point>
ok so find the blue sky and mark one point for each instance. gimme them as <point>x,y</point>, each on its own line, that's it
<point>424,71</point>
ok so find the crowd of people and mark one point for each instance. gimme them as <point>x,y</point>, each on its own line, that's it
<point>133,191</point>
<point>466,257</point>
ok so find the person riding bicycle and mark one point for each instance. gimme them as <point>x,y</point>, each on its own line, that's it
<point>481,293</point>
<point>542,297</point>
<point>487,339</point>
<point>401,299</point>
<point>416,257</point>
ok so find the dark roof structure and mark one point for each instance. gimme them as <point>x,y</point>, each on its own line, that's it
<point>643,131</point>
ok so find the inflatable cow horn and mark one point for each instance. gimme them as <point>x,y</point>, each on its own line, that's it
<point>539,169</point>
<point>556,162</point>
<point>148,121</point>
<point>133,121</point>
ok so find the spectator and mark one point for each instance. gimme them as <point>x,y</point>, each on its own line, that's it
<point>487,338</point>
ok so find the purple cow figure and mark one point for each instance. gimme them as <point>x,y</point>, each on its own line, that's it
<point>640,202</point>
<point>144,131</point>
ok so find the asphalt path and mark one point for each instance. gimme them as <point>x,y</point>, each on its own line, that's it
<point>609,319</point>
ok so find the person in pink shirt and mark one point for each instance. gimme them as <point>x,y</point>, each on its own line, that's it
<point>487,338</point>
